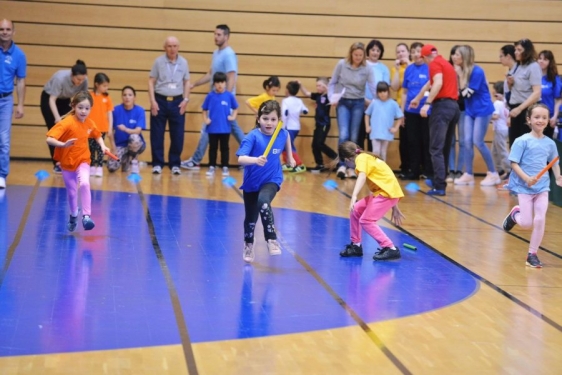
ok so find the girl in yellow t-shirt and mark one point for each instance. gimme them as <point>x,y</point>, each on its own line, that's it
<point>271,87</point>
<point>385,194</point>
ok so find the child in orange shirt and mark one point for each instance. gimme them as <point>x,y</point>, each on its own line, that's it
<point>102,116</point>
<point>70,137</point>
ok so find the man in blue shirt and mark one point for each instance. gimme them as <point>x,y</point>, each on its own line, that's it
<point>13,65</point>
<point>225,61</point>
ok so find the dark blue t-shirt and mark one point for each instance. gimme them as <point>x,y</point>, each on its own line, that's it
<point>322,116</point>
<point>254,144</point>
<point>219,107</point>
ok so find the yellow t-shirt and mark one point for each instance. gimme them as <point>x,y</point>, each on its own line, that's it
<point>380,178</point>
<point>256,101</point>
<point>397,95</point>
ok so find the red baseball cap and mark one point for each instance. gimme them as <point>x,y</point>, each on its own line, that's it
<point>427,50</point>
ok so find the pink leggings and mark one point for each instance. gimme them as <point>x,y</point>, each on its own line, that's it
<point>366,213</point>
<point>527,204</point>
<point>78,179</point>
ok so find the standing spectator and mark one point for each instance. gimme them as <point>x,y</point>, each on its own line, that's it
<point>500,154</point>
<point>507,59</point>
<point>416,127</point>
<point>348,80</point>
<point>224,60</point>
<point>396,78</point>
<point>56,95</point>
<point>524,85</point>
<point>322,123</point>
<point>102,115</point>
<point>456,164</point>
<point>292,108</point>
<point>168,91</point>
<point>444,114</point>
<point>13,66</point>
<point>374,52</point>
<point>478,113</point>
<point>551,91</point>
<point>219,109</point>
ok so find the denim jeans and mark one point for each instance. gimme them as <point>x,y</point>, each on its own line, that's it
<point>349,114</point>
<point>459,165</point>
<point>6,110</point>
<point>168,112</point>
<point>204,141</point>
<point>444,116</point>
<point>474,133</point>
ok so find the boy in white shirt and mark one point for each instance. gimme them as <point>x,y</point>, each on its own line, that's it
<point>291,110</point>
<point>500,118</point>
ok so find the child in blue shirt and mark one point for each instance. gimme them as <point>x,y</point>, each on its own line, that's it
<point>263,176</point>
<point>382,119</point>
<point>219,109</point>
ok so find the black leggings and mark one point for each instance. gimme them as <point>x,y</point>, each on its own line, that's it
<point>96,154</point>
<point>63,106</point>
<point>259,203</point>
<point>518,125</point>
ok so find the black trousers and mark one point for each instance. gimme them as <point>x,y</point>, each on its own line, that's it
<point>259,203</point>
<point>417,137</point>
<point>518,125</point>
<point>214,141</point>
<point>319,145</point>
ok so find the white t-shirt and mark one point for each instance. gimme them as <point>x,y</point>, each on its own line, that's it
<point>501,110</point>
<point>291,110</point>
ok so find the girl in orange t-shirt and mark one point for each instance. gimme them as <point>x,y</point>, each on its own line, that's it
<point>70,139</point>
<point>102,115</point>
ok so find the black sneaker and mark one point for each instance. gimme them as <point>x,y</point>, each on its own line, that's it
<point>317,169</point>
<point>72,222</point>
<point>533,261</point>
<point>509,222</point>
<point>386,253</point>
<point>352,250</point>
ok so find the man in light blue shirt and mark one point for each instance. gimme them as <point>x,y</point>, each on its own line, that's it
<point>13,66</point>
<point>225,61</point>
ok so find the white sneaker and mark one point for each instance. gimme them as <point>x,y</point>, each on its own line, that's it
<point>465,179</point>
<point>211,171</point>
<point>176,170</point>
<point>99,172</point>
<point>157,169</point>
<point>248,254</point>
<point>2,183</point>
<point>341,172</point>
<point>273,247</point>
<point>350,173</point>
<point>225,171</point>
<point>92,170</point>
<point>135,166</point>
<point>491,179</point>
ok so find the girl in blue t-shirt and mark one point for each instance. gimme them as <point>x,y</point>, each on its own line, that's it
<point>126,136</point>
<point>529,154</point>
<point>263,176</point>
<point>551,91</point>
<point>478,113</point>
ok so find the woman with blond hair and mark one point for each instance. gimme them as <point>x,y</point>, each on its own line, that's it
<point>349,79</point>
<point>479,109</point>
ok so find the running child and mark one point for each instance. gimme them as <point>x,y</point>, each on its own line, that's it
<point>271,87</point>
<point>291,110</point>
<point>70,139</point>
<point>385,192</point>
<point>262,176</point>
<point>321,124</point>
<point>219,109</point>
<point>101,114</point>
<point>530,153</point>
<point>382,119</point>
<point>129,120</point>
<point>500,117</point>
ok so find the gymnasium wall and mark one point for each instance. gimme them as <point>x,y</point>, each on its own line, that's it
<point>293,39</point>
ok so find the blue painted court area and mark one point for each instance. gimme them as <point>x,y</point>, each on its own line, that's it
<point>104,289</point>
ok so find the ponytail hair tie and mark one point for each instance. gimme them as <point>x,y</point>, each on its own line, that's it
<point>358,151</point>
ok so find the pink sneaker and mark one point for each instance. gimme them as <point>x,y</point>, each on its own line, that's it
<point>492,179</point>
<point>465,179</point>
